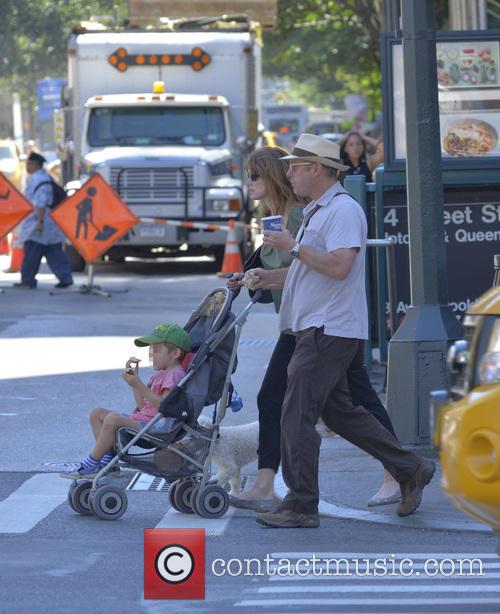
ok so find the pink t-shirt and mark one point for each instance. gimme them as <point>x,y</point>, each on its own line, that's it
<point>159,382</point>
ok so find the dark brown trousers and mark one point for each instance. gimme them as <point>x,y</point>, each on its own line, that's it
<point>317,386</point>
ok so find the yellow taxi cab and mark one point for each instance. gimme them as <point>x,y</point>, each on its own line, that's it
<point>10,163</point>
<point>466,420</point>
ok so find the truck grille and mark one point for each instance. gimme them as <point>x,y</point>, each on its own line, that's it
<point>152,185</point>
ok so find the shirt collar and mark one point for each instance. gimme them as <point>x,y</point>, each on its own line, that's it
<point>325,198</point>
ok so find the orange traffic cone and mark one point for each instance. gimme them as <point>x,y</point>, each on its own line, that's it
<point>16,253</point>
<point>232,259</point>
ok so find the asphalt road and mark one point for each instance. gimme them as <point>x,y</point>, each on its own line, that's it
<point>61,356</point>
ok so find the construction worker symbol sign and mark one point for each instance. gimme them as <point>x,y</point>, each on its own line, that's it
<point>94,218</point>
<point>14,207</point>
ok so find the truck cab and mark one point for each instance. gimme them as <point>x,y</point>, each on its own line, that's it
<point>466,419</point>
<point>166,116</point>
<point>166,155</point>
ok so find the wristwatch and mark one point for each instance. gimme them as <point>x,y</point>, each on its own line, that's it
<point>294,252</point>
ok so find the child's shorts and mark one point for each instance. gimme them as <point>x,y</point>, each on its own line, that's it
<point>140,423</point>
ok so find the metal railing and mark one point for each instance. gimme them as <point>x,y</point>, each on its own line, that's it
<point>388,245</point>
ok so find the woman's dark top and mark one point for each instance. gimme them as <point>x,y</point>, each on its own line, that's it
<point>362,169</point>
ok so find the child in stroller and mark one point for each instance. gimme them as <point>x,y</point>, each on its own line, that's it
<point>168,344</point>
<point>172,445</point>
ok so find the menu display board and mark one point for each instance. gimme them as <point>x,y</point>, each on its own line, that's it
<point>468,74</point>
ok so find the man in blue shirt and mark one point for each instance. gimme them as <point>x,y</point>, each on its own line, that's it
<point>39,233</point>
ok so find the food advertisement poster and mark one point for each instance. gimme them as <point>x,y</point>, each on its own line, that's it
<point>467,64</point>
<point>469,99</point>
<point>465,136</point>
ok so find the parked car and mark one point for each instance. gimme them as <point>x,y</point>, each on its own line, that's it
<point>466,421</point>
<point>10,163</point>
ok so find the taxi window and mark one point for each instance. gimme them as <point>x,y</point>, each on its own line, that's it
<point>494,341</point>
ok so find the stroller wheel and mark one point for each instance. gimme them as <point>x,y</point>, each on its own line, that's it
<point>79,497</point>
<point>171,494</point>
<point>109,502</point>
<point>211,502</point>
<point>182,496</point>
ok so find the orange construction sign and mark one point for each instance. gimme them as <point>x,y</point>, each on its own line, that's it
<point>14,207</point>
<point>94,218</point>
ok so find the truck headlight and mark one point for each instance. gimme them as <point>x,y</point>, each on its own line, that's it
<point>489,369</point>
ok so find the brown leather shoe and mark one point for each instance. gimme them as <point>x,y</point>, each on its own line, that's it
<point>287,519</point>
<point>411,491</point>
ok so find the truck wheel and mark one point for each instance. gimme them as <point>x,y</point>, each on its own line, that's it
<point>76,261</point>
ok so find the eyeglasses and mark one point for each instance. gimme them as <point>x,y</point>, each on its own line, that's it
<point>253,176</point>
<point>292,165</point>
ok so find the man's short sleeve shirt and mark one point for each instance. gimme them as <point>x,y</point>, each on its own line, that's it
<point>312,299</point>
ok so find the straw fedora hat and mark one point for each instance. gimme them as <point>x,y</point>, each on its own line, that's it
<point>313,148</point>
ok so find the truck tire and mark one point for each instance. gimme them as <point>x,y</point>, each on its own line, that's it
<point>76,261</point>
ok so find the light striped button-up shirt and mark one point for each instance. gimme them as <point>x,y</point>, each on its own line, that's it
<point>40,198</point>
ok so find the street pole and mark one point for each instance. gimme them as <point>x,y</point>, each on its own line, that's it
<point>391,11</point>
<point>417,352</point>
<point>17,120</point>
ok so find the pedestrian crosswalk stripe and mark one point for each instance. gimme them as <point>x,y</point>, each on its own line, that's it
<point>32,502</point>
<point>176,520</point>
<point>434,587</point>
<point>375,555</point>
<point>413,602</point>
<point>489,575</point>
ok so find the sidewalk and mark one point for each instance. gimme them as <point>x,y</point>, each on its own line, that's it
<point>349,477</point>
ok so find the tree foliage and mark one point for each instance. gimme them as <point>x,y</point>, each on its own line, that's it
<point>330,47</point>
<point>34,36</point>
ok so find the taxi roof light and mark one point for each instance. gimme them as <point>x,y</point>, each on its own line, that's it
<point>158,87</point>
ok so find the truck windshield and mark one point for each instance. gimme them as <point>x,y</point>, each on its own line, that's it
<point>189,126</point>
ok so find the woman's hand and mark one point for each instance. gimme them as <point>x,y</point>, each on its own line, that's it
<point>280,239</point>
<point>235,281</point>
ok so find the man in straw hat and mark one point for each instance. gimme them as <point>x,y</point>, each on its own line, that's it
<point>324,304</point>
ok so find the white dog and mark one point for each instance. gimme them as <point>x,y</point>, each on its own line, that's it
<point>235,447</point>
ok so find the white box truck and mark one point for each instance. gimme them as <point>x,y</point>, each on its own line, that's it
<point>172,151</point>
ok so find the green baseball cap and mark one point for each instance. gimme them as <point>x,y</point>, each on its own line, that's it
<point>166,333</point>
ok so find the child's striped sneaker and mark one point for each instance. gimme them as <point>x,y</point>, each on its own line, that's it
<point>81,473</point>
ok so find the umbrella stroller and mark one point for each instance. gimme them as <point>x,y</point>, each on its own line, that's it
<point>173,445</point>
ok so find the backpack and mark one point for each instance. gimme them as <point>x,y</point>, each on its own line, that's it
<point>58,193</point>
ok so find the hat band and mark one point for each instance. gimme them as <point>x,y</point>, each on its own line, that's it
<point>303,152</point>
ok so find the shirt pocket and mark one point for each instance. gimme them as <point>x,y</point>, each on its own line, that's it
<point>314,239</point>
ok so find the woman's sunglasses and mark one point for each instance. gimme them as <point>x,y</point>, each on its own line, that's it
<point>253,176</point>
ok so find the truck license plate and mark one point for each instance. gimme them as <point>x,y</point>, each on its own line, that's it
<point>151,231</point>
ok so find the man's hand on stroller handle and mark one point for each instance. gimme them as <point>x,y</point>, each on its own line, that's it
<point>235,281</point>
<point>265,279</point>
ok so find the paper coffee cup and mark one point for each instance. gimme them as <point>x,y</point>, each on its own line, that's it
<point>271,222</point>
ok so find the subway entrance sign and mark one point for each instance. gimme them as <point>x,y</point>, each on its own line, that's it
<point>94,218</point>
<point>472,227</point>
<point>14,207</point>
